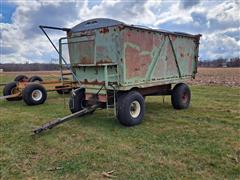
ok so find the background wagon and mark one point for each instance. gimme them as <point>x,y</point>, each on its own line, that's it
<point>34,90</point>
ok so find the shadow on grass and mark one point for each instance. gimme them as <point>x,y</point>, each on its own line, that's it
<point>107,119</point>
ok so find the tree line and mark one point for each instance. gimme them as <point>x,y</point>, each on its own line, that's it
<point>220,62</point>
<point>29,67</point>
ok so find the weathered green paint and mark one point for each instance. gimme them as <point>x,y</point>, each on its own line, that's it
<point>132,57</point>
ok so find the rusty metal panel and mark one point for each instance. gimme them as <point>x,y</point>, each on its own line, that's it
<point>81,50</point>
<point>153,56</point>
<point>137,54</point>
<point>108,45</point>
<point>132,56</point>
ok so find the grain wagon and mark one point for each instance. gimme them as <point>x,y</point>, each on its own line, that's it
<point>118,65</point>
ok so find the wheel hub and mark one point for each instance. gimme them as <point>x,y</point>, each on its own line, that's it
<point>135,109</point>
<point>37,95</point>
<point>185,97</point>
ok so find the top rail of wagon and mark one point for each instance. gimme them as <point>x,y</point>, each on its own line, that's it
<point>164,32</point>
<point>99,23</point>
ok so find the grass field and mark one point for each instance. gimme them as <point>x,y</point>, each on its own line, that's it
<point>202,142</point>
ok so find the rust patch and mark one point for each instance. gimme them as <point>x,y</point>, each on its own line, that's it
<point>173,38</point>
<point>85,60</point>
<point>121,27</point>
<point>157,40</point>
<point>181,51</point>
<point>69,34</point>
<point>104,30</point>
<point>100,49</point>
<point>190,65</point>
<point>84,52</point>
<point>104,61</point>
<point>137,64</point>
<point>142,39</point>
<point>95,82</point>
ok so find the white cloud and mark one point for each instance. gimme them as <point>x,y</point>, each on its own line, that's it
<point>218,21</point>
<point>219,45</point>
<point>23,39</point>
<point>226,11</point>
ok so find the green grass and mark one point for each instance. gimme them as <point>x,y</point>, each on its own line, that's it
<point>202,142</point>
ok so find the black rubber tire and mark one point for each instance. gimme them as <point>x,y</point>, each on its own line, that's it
<point>21,78</point>
<point>77,101</point>
<point>8,90</point>
<point>124,107</point>
<point>181,96</point>
<point>35,78</point>
<point>29,90</point>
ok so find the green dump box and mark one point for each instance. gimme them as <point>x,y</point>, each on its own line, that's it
<point>119,64</point>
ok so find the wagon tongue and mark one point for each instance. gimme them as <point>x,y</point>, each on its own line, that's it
<point>58,121</point>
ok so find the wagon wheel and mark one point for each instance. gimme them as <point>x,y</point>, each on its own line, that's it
<point>34,94</point>
<point>130,108</point>
<point>181,96</point>
<point>10,89</point>
<point>35,79</point>
<point>21,78</point>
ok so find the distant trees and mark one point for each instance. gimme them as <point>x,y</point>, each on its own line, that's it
<point>29,67</point>
<point>220,62</point>
<point>234,62</point>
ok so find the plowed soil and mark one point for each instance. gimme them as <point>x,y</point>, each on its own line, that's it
<point>217,76</point>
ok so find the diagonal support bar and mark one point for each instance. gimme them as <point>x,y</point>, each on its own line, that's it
<point>175,56</point>
<point>61,57</point>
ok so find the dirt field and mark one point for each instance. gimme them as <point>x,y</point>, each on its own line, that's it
<point>217,76</point>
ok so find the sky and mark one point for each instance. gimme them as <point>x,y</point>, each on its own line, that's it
<point>22,41</point>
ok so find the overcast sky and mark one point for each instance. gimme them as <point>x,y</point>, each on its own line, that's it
<point>21,39</point>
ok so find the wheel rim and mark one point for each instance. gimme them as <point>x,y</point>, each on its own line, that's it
<point>185,97</point>
<point>14,91</point>
<point>135,109</point>
<point>37,95</point>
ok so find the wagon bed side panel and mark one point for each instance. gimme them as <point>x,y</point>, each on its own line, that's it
<point>105,47</point>
<point>150,57</point>
<point>177,60</point>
